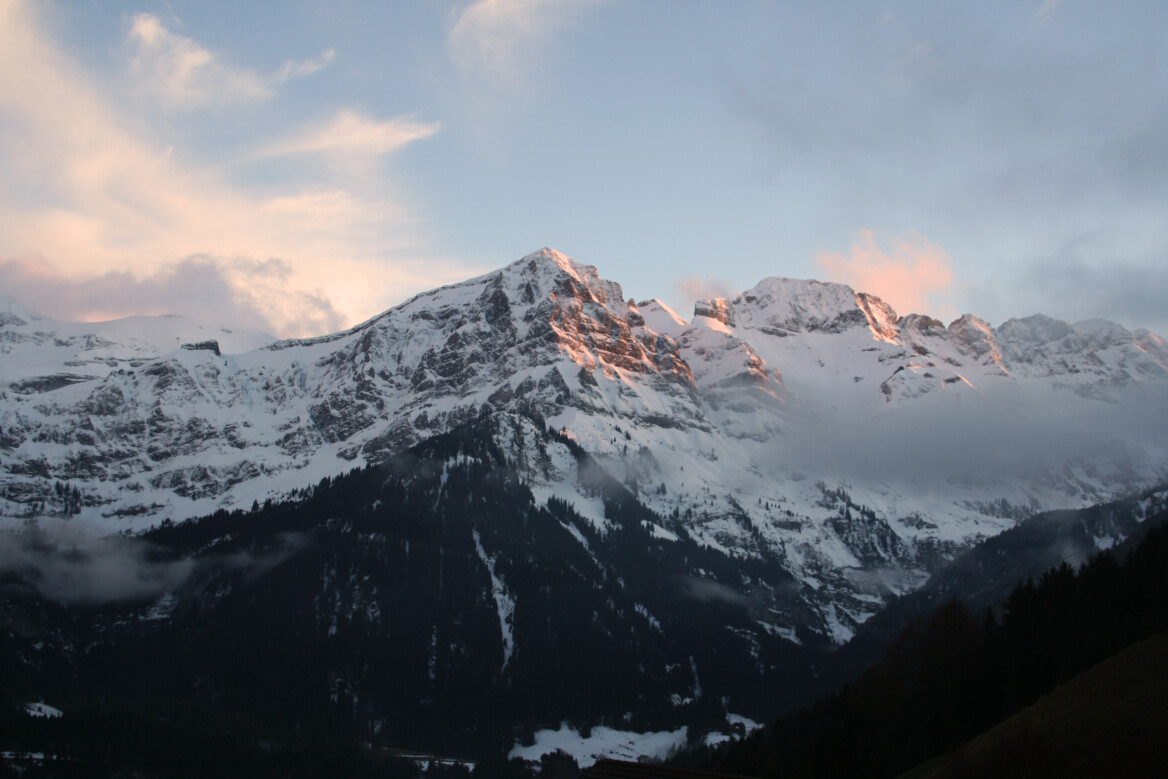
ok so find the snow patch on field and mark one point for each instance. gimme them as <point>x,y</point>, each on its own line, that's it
<point>41,709</point>
<point>603,742</point>
<point>614,744</point>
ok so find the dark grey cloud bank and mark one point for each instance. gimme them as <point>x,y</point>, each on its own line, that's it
<point>999,131</point>
<point>1085,281</point>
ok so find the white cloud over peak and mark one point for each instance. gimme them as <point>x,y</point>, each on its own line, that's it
<point>184,74</point>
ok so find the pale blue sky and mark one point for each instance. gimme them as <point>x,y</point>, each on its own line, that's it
<point>300,167</point>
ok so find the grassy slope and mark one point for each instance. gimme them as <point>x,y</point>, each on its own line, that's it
<point>1111,720</point>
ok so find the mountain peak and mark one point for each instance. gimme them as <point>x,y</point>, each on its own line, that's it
<point>549,262</point>
<point>552,274</point>
<point>780,305</point>
<point>549,255</point>
<point>1038,328</point>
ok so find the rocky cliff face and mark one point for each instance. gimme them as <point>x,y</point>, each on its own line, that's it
<point>800,422</point>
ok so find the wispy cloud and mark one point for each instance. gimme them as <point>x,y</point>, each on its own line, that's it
<point>293,69</point>
<point>351,134</point>
<point>906,270</point>
<point>707,590</point>
<point>920,58</point>
<point>496,42</point>
<point>89,192</point>
<point>1046,10</point>
<point>187,75</point>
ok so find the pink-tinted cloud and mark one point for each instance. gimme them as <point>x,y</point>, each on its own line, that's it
<point>351,134</point>
<point>243,293</point>
<point>94,188</point>
<point>906,270</point>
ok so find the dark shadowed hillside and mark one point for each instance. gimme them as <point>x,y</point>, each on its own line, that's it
<point>953,675</point>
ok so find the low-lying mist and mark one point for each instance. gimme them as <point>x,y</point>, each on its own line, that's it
<point>978,439</point>
<point>68,566</point>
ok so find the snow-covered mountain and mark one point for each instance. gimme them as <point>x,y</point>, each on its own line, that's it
<point>800,422</point>
<point>42,354</point>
